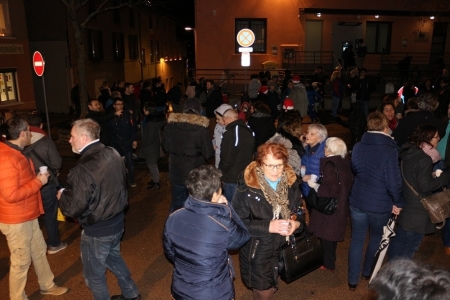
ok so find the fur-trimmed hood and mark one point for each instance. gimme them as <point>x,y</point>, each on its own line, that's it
<point>251,179</point>
<point>188,118</point>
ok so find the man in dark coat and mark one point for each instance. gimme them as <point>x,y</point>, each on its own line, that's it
<point>186,138</point>
<point>101,118</point>
<point>236,151</point>
<point>213,98</point>
<point>364,86</point>
<point>198,237</point>
<point>123,137</point>
<point>159,96</point>
<point>427,104</point>
<point>96,195</point>
<point>129,99</point>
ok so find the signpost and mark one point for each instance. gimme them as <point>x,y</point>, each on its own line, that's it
<point>245,39</point>
<point>39,68</point>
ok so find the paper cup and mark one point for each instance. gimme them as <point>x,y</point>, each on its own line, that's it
<point>313,177</point>
<point>43,169</point>
<point>438,172</point>
<point>303,171</point>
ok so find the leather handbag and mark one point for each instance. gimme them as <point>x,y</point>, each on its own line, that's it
<point>325,205</point>
<point>300,255</point>
<point>437,205</point>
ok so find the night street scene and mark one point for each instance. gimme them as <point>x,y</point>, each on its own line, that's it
<point>224,150</point>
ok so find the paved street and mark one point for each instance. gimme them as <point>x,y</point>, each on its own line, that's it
<point>142,250</point>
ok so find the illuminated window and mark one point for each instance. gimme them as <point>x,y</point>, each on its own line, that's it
<point>133,46</point>
<point>5,27</point>
<point>152,52</point>
<point>8,86</point>
<point>259,28</point>
<point>378,37</point>
<point>118,46</point>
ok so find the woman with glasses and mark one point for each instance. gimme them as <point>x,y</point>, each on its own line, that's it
<point>336,181</point>
<point>417,159</point>
<point>267,192</point>
<point>314,151</point>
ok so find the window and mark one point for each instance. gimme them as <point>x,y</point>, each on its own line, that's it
<point>150,21</point>
<point>258,26</point>
<point>118,46</point>
<point>131,18</point>
<point>8,86</point>
<point>133,46</point>
<point>95,44</point>
<point>5,27</point>
<point>157,54</point>
<point>152,52</point>
<point>378,37</point>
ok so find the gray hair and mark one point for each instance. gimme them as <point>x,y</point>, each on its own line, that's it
<point>88,127</point>
<point>428,101</point>
<point>321,131</point>
<point>336,146</point>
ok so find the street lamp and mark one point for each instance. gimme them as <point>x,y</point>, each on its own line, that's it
<point>195,46</point>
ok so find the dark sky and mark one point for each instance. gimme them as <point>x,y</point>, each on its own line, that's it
<point>182,10</point>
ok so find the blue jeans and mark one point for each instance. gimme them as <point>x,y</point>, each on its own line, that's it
<point>446,233</point>
<point>50,203</point>
<point>130,166</point>
<point>404,244</point>
<point>361,222</point>
<point>179,196</point>
<point>335,106</point>
<point>228,191</point>
<point>99,253</point>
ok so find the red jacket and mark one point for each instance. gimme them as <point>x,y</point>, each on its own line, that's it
<point>20,199</point>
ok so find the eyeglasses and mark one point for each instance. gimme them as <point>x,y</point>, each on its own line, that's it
<point>274,167</point>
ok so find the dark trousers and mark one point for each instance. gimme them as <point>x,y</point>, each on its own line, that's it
<point>179,196</point>
<point>329,254</point>
<point>50,203</point>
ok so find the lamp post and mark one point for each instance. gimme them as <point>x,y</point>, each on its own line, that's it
<point>195,47</point>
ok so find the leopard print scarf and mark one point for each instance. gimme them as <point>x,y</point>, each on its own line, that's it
<point>279,198</point>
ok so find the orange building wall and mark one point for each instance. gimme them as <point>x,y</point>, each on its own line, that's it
<point>22,62</point>
<point>215,28</point>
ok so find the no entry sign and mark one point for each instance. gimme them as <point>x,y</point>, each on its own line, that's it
<point>38,63</point>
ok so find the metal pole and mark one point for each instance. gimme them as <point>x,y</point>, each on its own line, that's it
<point>245,80</point>
<point>46,108</point>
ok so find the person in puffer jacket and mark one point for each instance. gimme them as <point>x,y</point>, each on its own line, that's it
<point>197,239</point>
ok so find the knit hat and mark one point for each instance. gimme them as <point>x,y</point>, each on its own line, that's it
<point>192,104</point>
<point>263,89</point>
<point>222,109</point>
<point>296,79</point>
<point>288,104</point>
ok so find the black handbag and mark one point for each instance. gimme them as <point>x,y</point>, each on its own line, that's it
<point>325,205</point>
<point>300,255</point>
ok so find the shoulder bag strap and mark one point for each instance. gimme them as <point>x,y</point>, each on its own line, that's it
<point>407,183</point>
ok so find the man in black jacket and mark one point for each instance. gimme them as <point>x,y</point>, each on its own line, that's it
<point>187,139</point>
<point>364,86</point>
<point>236,151</point>
<point>95,114</point>
<point>98,203</point>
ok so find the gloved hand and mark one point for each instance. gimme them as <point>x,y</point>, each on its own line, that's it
<point>313,185</point>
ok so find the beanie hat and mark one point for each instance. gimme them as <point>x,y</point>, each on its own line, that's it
<point>222,109</point>
<point>263,89</point>
<point>288,104</point>
<point>296,79</point>
<point>192,104</point>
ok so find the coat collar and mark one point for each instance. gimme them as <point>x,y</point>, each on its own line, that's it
<point>188,118</point>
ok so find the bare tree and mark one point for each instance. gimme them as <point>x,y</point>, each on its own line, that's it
<point>79,28</point>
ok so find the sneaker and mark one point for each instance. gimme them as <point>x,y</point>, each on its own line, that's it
<point>55,291</point>
<point>54,250</point>
<point>154,185</point>
<point>122,297</point>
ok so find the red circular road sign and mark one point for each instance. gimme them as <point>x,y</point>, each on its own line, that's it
<point>38,63</point>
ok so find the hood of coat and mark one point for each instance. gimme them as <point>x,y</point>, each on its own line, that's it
<point>377,138</point>
<point>205,207</point>
<point>188,118</point>
<point>409,151</point>
<point>251,179</point>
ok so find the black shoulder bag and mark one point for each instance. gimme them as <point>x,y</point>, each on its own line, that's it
<point>325,205</point>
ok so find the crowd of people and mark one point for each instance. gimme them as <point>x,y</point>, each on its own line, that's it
<point>238,175</point>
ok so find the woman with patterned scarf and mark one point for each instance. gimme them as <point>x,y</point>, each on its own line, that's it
<point>267,192</point>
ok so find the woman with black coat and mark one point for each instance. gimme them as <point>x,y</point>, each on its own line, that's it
<point>337,181</point>
<point>266,194</point>
<point>417,171</point>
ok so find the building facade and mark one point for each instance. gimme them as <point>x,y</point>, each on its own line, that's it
<point>300,35</point>
<point>16,71</point>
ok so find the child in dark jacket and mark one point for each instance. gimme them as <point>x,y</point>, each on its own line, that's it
<point>313,97</point>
